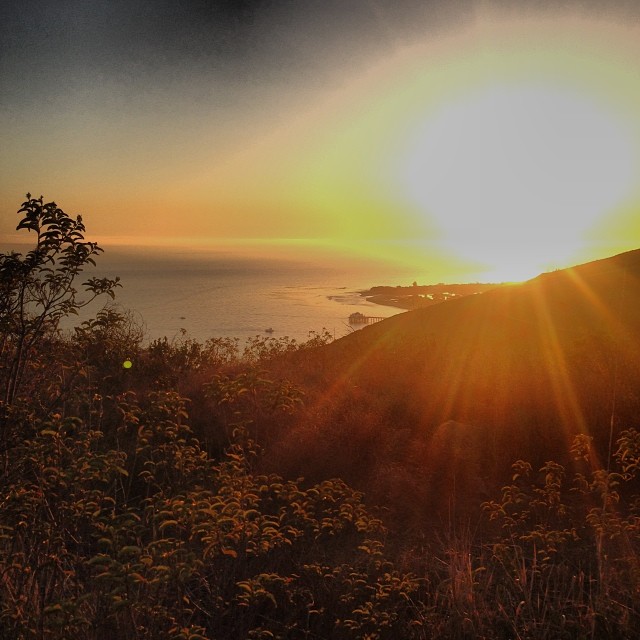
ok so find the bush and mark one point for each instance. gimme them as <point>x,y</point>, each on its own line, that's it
<point>156,540</point>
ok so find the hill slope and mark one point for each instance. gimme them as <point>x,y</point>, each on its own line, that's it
<point>470,385</point>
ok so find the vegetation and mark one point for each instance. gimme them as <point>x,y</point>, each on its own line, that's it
<point>37,290</point>
<point>166,500</point>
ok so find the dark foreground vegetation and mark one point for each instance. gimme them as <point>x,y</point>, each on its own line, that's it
<point>196,493</point>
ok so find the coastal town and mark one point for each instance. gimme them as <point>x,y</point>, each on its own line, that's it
<point>418,296</point>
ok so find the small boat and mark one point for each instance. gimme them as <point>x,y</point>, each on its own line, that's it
<point>269,330</point>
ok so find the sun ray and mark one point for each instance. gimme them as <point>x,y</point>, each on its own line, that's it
<point>555,364</point>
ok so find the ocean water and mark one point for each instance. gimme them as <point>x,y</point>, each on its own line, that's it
<point>239,293</point>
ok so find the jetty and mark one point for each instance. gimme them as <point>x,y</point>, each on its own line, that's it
<point>360,318</point>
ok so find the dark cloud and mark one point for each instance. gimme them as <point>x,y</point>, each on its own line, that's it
<point>49,42</point>
<point>66,36</point>
<point>210,56</point>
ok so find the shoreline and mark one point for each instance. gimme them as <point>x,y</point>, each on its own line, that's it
<point>420,296</point>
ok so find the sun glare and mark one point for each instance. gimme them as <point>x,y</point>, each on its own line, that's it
<point>516,176</point>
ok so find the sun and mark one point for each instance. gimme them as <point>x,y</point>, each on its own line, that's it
<point>515,175</point>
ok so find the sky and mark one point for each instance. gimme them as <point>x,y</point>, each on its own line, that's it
<point>477,140</point>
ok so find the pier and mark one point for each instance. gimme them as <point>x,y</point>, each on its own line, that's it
<point>360,318</point>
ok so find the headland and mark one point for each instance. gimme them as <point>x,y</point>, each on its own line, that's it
<point>420,296</point>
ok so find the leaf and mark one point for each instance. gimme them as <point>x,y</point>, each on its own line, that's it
<point>161,568</point>
<point>130,549</point>
<point>52,608</point>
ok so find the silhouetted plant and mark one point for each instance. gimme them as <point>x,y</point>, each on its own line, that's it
<point>262,350</point>
<point>169,361</point>
<point>571,545</point>
<point>38,289</point>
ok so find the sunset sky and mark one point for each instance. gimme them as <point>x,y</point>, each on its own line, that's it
<point>478,140</point>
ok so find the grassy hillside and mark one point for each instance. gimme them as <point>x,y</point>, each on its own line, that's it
<point>521,370</point>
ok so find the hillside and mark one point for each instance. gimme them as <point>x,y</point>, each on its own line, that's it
<point>514,372</point>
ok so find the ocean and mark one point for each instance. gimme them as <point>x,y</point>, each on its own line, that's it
<point>241,293</point>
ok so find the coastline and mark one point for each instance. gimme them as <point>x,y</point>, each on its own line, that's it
<point>420,296</point>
